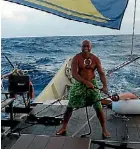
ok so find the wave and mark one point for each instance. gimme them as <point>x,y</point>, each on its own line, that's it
<point>44,60</point>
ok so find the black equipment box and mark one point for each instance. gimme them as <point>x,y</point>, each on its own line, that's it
<point>18,84</point>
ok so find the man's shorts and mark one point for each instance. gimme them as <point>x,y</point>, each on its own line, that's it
<point>79,93</point>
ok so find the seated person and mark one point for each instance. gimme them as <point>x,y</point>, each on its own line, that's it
<point>121,96</point>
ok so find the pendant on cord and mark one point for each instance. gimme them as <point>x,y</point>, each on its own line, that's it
<point>87,62</point>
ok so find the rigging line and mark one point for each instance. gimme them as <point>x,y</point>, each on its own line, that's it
<point>22,128</point>
<point>121,65</point>
<point>108,96</point>
<point>8,60</point>
<point>58,100</point>
<point>133,27</point>
<point>116,141</point>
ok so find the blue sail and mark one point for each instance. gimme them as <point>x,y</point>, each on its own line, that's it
<point>106,13</point>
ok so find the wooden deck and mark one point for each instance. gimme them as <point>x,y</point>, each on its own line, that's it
<point>47,142</point>
<point>78,125</point>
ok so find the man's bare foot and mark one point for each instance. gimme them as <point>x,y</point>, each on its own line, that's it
<point>106,134</point>
<point>62,131</point>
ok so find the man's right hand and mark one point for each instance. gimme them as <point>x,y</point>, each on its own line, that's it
<point>89,85</point>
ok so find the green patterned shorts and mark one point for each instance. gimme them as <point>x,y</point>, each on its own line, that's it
<point>77,96</point>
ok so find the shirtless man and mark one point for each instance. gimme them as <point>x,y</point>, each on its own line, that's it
<point>83,66</point>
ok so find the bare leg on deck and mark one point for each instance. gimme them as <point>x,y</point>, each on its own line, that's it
<point>101,117</point>
<point>67,116</point>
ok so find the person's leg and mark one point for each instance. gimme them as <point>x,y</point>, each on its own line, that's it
<point>95,96</point>
<point>106,102</point>
<point>67,116</point>
<point>101,117</point>
<point>127,96</point>
<point>76,100</point>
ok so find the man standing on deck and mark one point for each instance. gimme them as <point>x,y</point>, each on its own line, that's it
<point>84,65</point>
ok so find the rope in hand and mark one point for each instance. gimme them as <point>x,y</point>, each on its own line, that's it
<point>108,96</point>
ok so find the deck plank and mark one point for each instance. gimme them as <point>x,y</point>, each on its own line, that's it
<point>77,143</point>
<point>23,142</point>
<point>39,142</point>
<point>46,142</point>
<point>56,143</point>
<point>38,130</point>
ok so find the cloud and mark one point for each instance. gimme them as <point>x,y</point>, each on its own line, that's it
<point>8,6</point>
<point>14,17</point>
<point>10,11</point>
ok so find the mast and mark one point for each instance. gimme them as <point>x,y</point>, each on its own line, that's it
<point>133,33</point>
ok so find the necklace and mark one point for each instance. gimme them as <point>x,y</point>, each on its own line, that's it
<point>87,62</point>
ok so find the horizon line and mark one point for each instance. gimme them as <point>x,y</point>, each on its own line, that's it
<point>69,36</point>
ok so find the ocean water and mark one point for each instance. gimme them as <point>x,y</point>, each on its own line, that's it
<point>43,56</point>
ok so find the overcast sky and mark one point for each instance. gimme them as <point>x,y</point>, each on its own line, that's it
<point>21,21</point>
